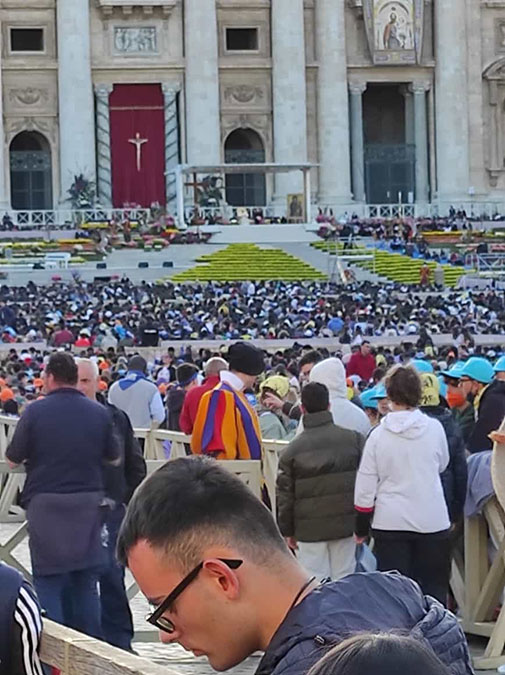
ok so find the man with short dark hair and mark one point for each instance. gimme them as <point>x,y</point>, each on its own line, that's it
<point>315,489</point>
<point>187,379</point>
<point>137,396</point>
<point>362,362</point>
<point>208,555</point>
<point>20,625</point>
<point>64,441</point>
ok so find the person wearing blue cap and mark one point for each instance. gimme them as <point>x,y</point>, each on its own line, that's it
<point>488,397</point>
<point>461,409</point>
<point>499,369</point>
<point>370,406</point>
<point>421,365</point>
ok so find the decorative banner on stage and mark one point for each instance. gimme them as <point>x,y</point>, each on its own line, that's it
<point>137,132</point>
<point>394,30</point>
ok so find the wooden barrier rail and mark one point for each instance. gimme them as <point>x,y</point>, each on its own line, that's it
<point>76,654</point>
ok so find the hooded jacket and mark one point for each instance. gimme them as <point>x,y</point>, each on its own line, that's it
<point>454,478</point>
<point>399,475</point>
<point>375,602</point>
<point>331,373</point>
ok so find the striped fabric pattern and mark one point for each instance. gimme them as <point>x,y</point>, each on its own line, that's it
<point>226,426</point>
<point>29,623</point>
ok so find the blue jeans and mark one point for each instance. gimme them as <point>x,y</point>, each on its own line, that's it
<point>59,593</point>
<point>117,624</point>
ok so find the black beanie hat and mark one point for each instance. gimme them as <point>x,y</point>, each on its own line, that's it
<point>247,359</point>
<point>186,372</point>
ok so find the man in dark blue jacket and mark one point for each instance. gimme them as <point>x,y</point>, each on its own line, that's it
<point>209,557</point>
<point>64,441</point>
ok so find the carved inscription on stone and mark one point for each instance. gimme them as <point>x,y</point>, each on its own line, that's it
<point>135,40</point>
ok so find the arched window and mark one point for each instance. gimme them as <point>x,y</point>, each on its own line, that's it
<point>31,174</point>
<point>244,146</point>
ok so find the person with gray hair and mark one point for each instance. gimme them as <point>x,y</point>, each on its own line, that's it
<point>193,397</point>
<point>119,482</point>
<point>137,396</point>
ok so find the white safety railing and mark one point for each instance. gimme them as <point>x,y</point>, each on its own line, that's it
<point>390,210</point>
<point>72,218</point>
<point>160,446</point>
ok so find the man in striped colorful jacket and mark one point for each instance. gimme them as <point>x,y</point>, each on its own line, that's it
<point>226,425</point>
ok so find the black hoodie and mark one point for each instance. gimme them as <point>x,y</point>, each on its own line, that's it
<point>490,415</point>
<point>454,478</point>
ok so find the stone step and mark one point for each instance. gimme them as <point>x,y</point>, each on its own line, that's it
<point>260,234</point>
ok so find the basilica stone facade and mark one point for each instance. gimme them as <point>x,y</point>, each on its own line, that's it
<point>390,100</point>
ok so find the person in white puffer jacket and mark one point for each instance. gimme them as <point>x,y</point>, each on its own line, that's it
<point>331,373</point>
<point>399,489</point>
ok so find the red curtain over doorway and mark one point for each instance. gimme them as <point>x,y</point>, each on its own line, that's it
<point>138,169</point>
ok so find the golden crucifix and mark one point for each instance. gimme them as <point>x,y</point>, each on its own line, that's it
<point>138,143</point>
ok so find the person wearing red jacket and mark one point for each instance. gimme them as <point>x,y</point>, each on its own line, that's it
<point>362,363</point>
<point>193,397</point>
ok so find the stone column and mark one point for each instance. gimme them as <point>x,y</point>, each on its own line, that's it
<point>333,104</point>
<point>409,114</point>
<point>356,91</point>
<point>419,90</point>
<point>4,151</point>
<point>75,94</point>
<point>104,168</point>
<point>203,128</point>
<point>171,143</point>
<point>289,94</point>
<point>451,102</point>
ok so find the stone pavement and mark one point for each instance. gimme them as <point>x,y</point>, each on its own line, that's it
<point>174,656</point>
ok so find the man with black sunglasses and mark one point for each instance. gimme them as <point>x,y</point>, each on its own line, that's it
<point>209,557</point>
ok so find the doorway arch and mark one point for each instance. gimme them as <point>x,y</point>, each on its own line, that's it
<point>245,146</point>
<point>30,172</point>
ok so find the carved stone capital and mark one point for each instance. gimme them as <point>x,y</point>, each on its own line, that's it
<point>170,89</point>
<point>419,87</point>
<point>103,90</point>
<point>357,88</point>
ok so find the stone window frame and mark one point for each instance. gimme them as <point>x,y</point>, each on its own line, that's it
<point>241,51</point>
<point>499,28</point>
<point>259,27</point>
<point>20,26</point>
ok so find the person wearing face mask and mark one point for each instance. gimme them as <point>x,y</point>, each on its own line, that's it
<point>499,369</point>
<point>488,398</point>
<point>461,409</point>
<point>454,478</point>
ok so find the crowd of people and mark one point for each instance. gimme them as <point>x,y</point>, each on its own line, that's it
<point>120,313</point>
<point>381,443</point>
